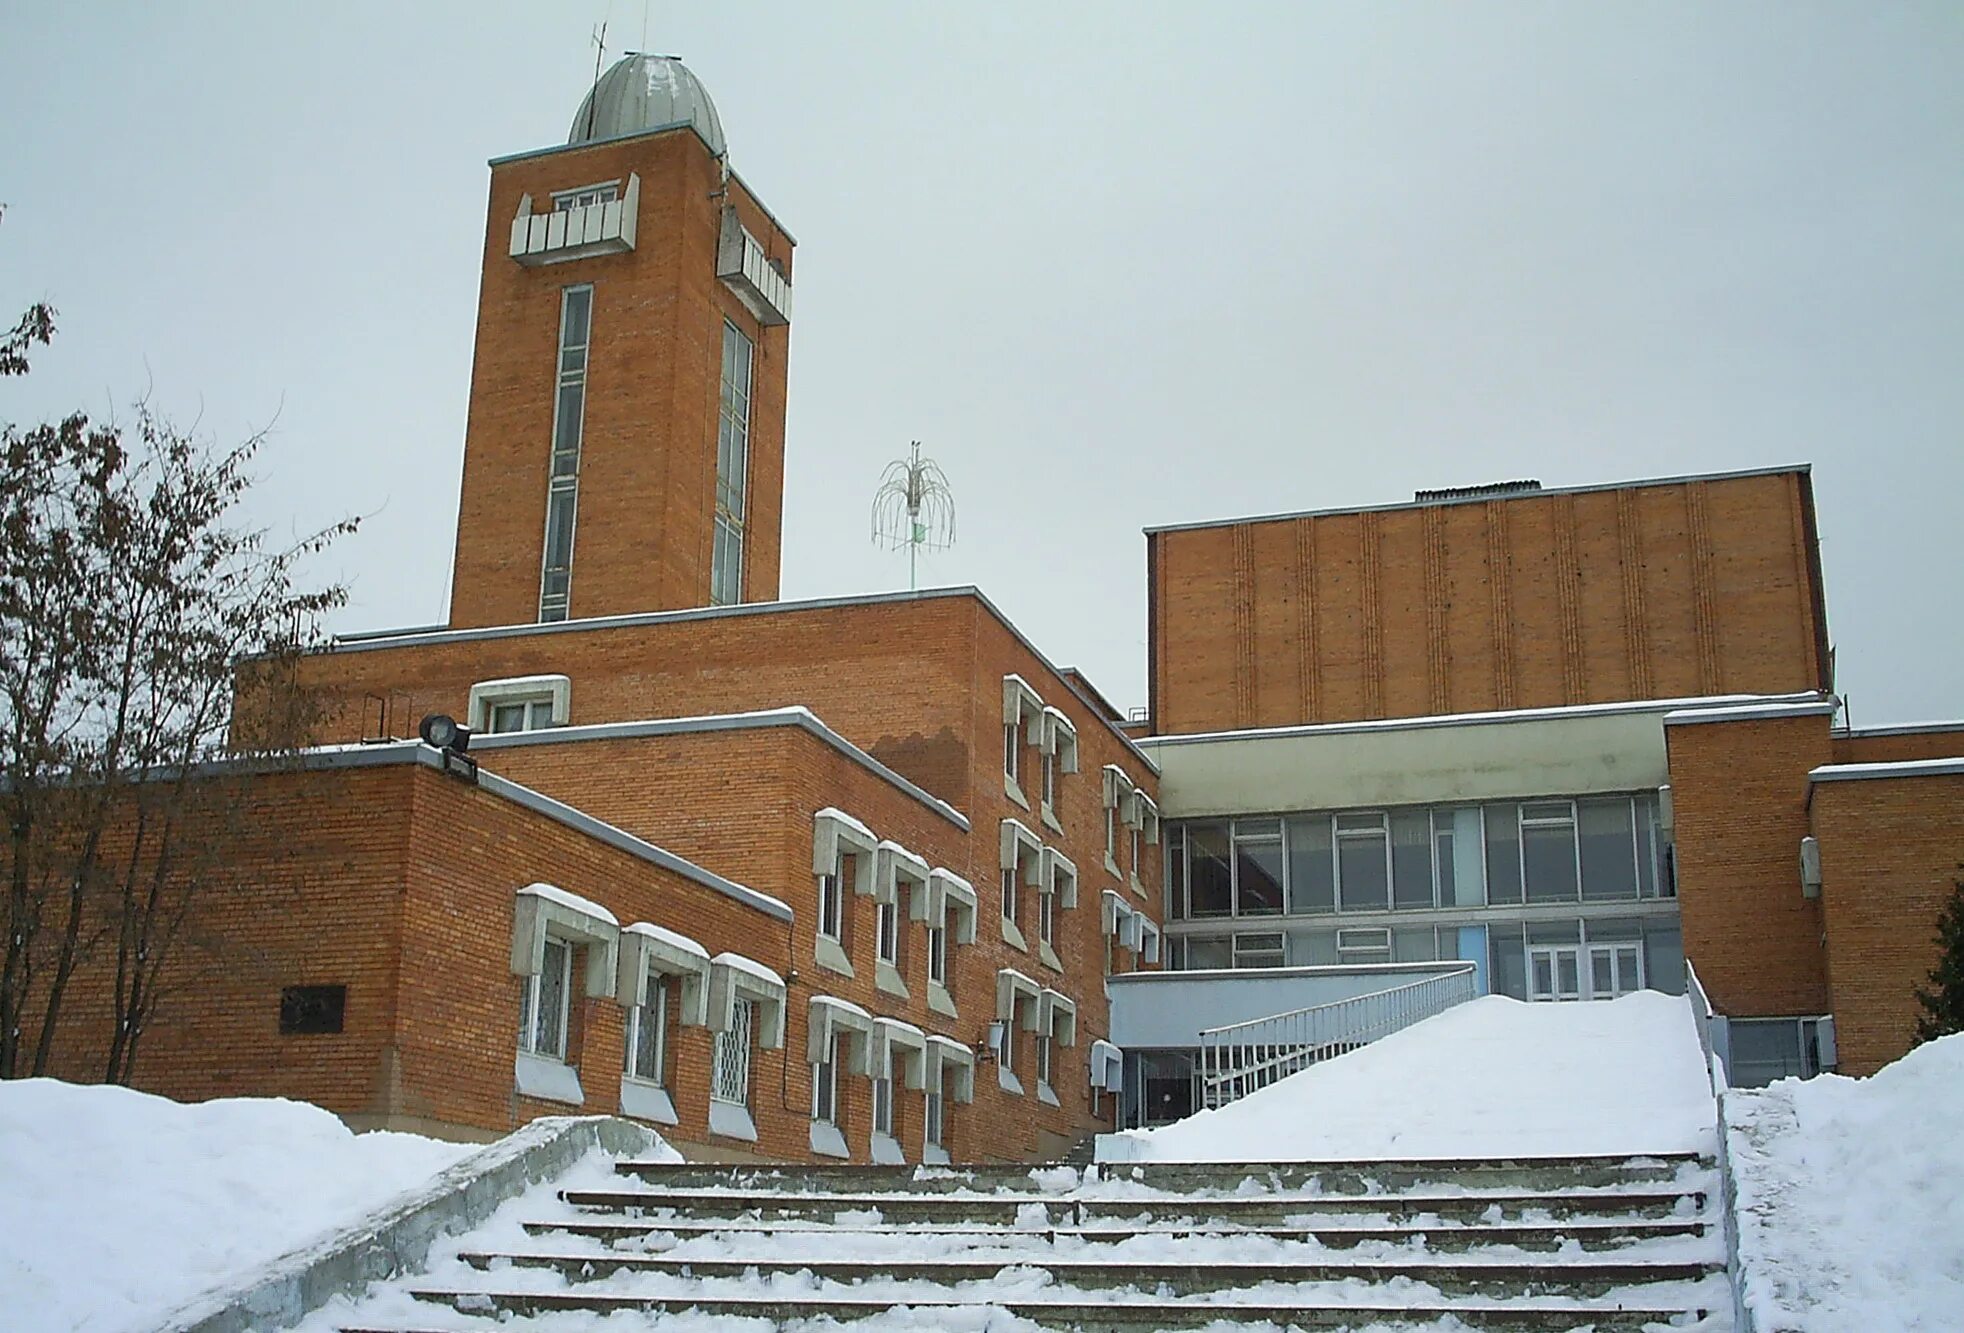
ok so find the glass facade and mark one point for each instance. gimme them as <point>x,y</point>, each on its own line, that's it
<point>1484,882</point>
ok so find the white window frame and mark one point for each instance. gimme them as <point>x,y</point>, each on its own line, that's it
<point>1022,722</point>
<point>529,1042</point>
<point>553,691</point>
<point>1117,788</point>
<point>835,834</point>
<point>945,890</point>
<point>1060,755</point>
<point>1021,864</point>
<point>731,1056</point>
<point>746,1012</point>
<point>586,196</point>
<point>1015,992</point>
<point>555,606</point>
<point>948,1074</point>
<point>544,911</point>
<point>654,1010</point>
<point>1056,1026</point>
<point>732,468</point>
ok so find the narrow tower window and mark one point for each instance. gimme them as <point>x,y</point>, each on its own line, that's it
<point>562,491</point>
<point>732,469</point>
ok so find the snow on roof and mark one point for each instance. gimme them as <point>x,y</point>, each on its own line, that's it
<point>1551,714</point>
<point>1902,768</point>
<point>669,937</point>
<point>1747,712</point>
<point>900,1028</point>
<point>950,878</point>
<point>572,901</point>
<point>738,963</point>
<point>834,812</point>
<point>843,1006</point>
<point>911,860</point>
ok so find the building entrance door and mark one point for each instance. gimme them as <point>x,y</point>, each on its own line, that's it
<point>1614,969</point>
<point>1554,972</point>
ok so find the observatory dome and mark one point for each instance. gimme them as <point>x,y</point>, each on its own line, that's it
<point>646,92</point>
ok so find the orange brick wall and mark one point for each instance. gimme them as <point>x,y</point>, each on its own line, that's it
<point>648,460</point>
<point>1891,850</point>
<point>1739,802</point>
<point>1658,591</point>
<point>1935,742</point>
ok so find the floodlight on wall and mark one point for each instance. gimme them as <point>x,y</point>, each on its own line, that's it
<point>1810,867</point>
<point>444,732</point>
<point>990,1047</point>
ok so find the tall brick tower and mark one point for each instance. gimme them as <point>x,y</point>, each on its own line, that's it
<point>625,448</point>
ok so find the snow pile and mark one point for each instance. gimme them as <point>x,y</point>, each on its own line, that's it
<point>117,1206</point>
<point>1489,1078</point>
<point>1851,1213</point>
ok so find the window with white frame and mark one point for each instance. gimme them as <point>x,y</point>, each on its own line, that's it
<point>1059,757</point>
<point>1258,950</point>
<point>1022,864</point>
<point>1043,1058</point>
<point>844,857</point>
<point>945,892</point>
<point>1047,918</point>
<point>1056,1026</point>
<point>647,1035</point>
<point>1022,725</point>
<point>831,905</point>
<point>565,201</point>
<point>888,922</point>
<point>1118,789</point>
<point>730,1080</point>
<point>1056,888</point>
<point>825,1083</point>
<point>947,1074</point>
<point>1017,1009</point>
<point>519,703</point>
<point>883,1102</point>
<point>732,469</point>
<point>937,954</point>
<point>546,1004</point>
<point>931,1129</point>
<point>569,415</point>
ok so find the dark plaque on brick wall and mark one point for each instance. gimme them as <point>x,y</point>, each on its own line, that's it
<point>312,1008</point>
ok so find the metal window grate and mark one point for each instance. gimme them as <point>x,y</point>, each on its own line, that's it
<point>732,1081</point>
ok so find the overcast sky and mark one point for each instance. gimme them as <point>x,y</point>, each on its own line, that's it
<point>1116,265</point>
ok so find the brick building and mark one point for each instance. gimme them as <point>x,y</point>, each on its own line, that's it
<point>865,878</point>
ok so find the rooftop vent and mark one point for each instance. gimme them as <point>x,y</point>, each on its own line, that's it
<point>1476,492</point>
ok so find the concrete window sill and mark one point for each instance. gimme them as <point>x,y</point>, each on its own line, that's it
<point>940,1001</point>
<point>1013,936</point>
<point>827,1141</point>
<point>886,1151</point>
<point>887,977</point>
<point>1008,1082</point>
<point>548,1079</point>
<point>1014,792</point>
<point>831,955</point>
<point>933,1154</point>
<point>1048,956</point>
<point>731,1121</point>
<point>1050,821</point>
<point>646,1101</point>
<point>1048,1095</point>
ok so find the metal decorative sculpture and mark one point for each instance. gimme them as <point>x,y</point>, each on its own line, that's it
<point>914,508</point>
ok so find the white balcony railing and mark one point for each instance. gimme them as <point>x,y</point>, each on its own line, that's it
<point>605,228</point>
<point>1243,1057</point>
<point>742,263</point>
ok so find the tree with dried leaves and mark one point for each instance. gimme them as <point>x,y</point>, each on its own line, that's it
<point>133,604</point>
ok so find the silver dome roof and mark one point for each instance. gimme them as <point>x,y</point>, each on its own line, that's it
<point>646,92</point>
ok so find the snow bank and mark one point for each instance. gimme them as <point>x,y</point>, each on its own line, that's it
<point>117,1206</point>
<point>1851,1212</point>
<point>1491,1077</point>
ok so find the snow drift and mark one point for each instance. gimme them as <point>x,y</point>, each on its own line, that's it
<point>1851,1211</point>
<point>1492,1077</point>
<point>117,1205</point>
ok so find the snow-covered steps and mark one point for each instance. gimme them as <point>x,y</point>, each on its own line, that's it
<point>1597,1243</point>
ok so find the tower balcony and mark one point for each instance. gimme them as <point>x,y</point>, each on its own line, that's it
<point>744,267</point>
<point>578,231</point>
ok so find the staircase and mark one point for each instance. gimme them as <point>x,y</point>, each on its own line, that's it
<point>1593,1243</point>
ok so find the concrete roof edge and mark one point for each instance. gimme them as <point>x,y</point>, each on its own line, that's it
<point>1501,717</point>
<point>1790,468</point>
<point>1901,729</point>
<point>346,643</point>
<point>1689,717</point>
<point>795,716</point>
<point>1901,768</point>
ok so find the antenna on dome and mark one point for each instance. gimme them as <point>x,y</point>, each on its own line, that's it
<point>914,508</point>
<point>599,54</point>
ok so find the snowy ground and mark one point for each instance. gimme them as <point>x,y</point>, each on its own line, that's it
<point>1491,1077</point>
<point>116,1206</point>
<point>1851,1197</point>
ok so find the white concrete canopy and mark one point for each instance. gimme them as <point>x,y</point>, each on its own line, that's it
<point>1013,989</point>
<point>733,977</point>
<point>650,950</point>
<point>545,909</point>
<point>836,833</point>
<point>951,1067</point>
<point>831,1018</point>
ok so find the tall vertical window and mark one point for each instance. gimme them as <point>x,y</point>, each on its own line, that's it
<point>888,922</point>
<point>569,413</point>
<point>730,1079</point>
<point>646,1031</point>
<point>883,1104</point>
<point>542,1012</point>
<point>831,906</point>
<point>937,954</point>
<point>931,1119</point>
<point>825,1084</point>
<point>732,469</point>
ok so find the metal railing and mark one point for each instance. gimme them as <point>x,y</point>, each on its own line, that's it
<point>1241,1058</point>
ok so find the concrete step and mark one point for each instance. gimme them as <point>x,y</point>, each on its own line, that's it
<point>1588,1233</point>
<point>1498,1280</point>
<point>1102,1316</point>
<point>1185,1177</point>
<point>1010,1210</point>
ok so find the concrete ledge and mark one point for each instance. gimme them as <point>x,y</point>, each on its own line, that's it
<point>397,1237</point>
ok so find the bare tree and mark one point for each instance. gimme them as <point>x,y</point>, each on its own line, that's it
<point>135,611</point>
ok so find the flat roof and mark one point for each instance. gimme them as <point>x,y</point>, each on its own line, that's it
<point>800,717</point>
<point>382,754</point>
<point>1810,702</point>
<point>1504,496</point>
<point>1902,768</point>
<point>375,640</point>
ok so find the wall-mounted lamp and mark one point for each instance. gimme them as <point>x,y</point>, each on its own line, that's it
<point>988,1048</point>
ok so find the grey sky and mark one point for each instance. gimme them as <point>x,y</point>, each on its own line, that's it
<point>1116,265</point>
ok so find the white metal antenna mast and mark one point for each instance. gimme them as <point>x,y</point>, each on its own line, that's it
<point>914,508</point>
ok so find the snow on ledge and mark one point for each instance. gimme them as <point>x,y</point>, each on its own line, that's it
<point>571,901</point>
<point>736,962</point>
<point>857,826</point>
<point>1750,712</point>
<point>1902,768</point>
<point>674,939</point>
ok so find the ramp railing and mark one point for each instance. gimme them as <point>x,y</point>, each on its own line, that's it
<point>1241,1058</point>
